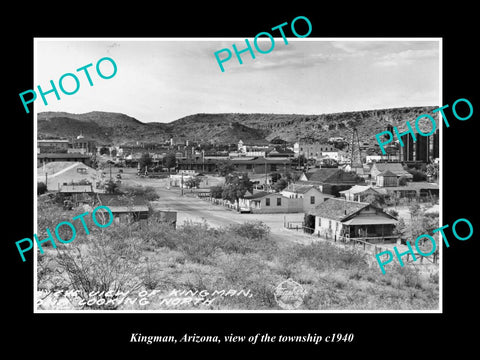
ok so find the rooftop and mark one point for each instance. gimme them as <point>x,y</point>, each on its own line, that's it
<point>395,168</point>
<point>299,189</point>
<point>62,156</point>
<point>337,209</point>
<point>358,189</point>
<point>387,173</point>
<point>58,167</point>
<point>257,195</point>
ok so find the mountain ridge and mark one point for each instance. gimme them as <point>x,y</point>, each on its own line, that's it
<point>121,129</point>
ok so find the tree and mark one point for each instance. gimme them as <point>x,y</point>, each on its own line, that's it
<point>236,185</point>
<point>225,167</point>
<point>433,170</point>
<point>275,176</point>
<point>400,228</point>
<point>104,151</point>
<point>145,161</point>
<point>111,187</point>
<point>193,182</point>
<point>374,199</point>
<point>216,192</point>
<point>280,185</point>
<point>170,161</point>
<point>402,181</point>
<point>291,176</point>
<point>301,160</point>
<point>41,188</point>
<point>418,175</point>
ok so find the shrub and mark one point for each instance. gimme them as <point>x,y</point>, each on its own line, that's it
<point>103,266</point>
<point>251,229</point>
<point>393,212</point>
<point>41,188</point>
<point>418,175</point>
<point>147,192</point>
<point>402,181</point>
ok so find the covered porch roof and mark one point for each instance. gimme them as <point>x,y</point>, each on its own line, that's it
<point>370,220</point>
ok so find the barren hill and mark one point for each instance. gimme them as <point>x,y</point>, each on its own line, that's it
<point>116,128</point>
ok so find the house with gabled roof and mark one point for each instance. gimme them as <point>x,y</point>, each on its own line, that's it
<point>263,202</point>
<point>396,168</point>
<point>59,175</point>
<point>358,192</point>
<point>125,207</point>
<point>330,180</point>
<point>310,195</point>
<point>345,220</point>
<point>387,178</point>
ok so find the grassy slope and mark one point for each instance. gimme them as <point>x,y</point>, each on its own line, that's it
<point>198,257</point>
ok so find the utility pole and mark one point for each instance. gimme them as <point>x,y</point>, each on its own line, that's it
<point>181,184</point>
<point>266,178</point>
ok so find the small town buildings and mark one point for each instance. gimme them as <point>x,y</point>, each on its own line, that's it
<point>358,192</point>
<point>52,146</point>
<point>293,199</point>
<point>45,158</point>
<point>331,180</point>
<point>264,202</point>
<point>125,208</point>
<point>62,174</point>
<point>252,145</point>
<point>315,150</point>
<point>419,190</point>
<point>395,168</point>
<point>386,178</point>
<point>261,165</point>
<point>311,196</point>
<point>83,146</point>
<point>343,220</point>
<point>281,153</point>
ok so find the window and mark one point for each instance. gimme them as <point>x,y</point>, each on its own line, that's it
<point>273,167</point>
<point>312,199</point>
<point>279,201</point>
<point>330,224</point>
<point>267,202</point>
<point>82,170</point>
<point>249,166</point>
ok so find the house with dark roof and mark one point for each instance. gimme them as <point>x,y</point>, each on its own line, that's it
<point>129,208</point>
<point>345,220</point>
<point>51,157</point>
<point>261,165</point>
<point>331,180</point>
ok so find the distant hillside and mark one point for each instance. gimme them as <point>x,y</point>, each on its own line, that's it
<point>116,128</point>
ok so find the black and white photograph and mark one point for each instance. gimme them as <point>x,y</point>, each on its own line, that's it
<point>219,179</point>
<point>253,186</point>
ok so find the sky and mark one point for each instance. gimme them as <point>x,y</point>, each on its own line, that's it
<point>162,80</point>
